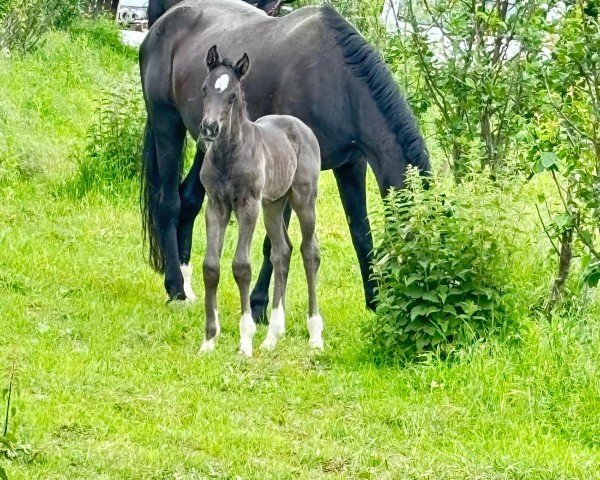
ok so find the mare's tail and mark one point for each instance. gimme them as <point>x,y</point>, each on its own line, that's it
<point>149,200</point>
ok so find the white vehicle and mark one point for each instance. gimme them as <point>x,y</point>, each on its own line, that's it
<point>133,14</point>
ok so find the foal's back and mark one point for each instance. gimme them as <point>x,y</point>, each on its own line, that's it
<point>291,154</point>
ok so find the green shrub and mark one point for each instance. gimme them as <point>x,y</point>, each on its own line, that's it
<point>23,23</point>
<point>443,268</point>
<point>102,33</point>
<point>110,159</point>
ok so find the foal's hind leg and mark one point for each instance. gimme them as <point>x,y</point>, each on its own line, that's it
<point>259,299</point>
<point>303,202</point>
<point>281,252</point>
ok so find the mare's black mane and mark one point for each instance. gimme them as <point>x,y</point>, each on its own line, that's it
<point>368,65</point>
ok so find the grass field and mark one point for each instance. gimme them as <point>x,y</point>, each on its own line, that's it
<point>108,383</point>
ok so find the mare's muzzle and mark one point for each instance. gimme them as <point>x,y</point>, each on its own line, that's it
<point>209,130</point>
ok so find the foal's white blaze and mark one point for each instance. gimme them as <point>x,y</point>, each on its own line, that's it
<point>222,83</point>
<point>247,331</point>
<point>276,327</point>
<point>186,271</point>
<point>315,329</point>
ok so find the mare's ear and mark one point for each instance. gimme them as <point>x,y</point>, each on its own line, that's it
<point>241,67</point>
<point>212,59</point>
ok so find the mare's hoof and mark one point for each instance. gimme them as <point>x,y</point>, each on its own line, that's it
<point>371,304</point>
<point>178,303</point>
<point>259,312</point>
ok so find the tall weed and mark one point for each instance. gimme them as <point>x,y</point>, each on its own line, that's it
<point>109,161</point>
<point>445,261</point>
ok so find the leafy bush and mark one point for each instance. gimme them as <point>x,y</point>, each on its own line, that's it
<point>110,159</point>
<point>102,32</point>
<point>23,23</point>
<point>442,265</point>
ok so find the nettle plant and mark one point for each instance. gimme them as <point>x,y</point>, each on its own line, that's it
<point>442,268</point>
<point>109,162</point>
<point>565,140</point>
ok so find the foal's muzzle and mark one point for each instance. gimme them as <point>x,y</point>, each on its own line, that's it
<point>209,130</point>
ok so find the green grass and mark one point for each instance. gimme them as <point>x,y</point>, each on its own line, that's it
<point>110,385</point>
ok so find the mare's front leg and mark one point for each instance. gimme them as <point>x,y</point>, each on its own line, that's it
<point>351,181</point>
<point>217,217</point>
<point>192,194</point>
<point>260,295</point>
<point>247,214</point>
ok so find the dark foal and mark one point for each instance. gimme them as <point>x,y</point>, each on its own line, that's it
<point>272,161</point>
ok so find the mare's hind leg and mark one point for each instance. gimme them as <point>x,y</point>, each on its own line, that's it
<point>260,295</point>
<point>217,217</point>
<point>281,252</point>
<point>242,272</point>
<point>170,133</point>
<point>303,202</point>
<point>192,194</point>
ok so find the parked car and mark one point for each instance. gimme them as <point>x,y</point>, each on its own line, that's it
<point>133,14</point>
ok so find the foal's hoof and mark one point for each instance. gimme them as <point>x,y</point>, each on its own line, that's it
<point>316,344</point>
<point>207,346</point>
<point>269,343</point>
<point>315,331</point>
<point>245,349</point>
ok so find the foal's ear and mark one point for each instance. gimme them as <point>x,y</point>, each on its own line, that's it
<point>212,59</point>
<point>241,67</point>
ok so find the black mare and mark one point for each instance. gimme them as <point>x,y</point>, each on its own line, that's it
<point>311,64</point>
<point>157,7</point>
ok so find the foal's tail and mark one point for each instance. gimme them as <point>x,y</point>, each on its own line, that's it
<point>149,200</point>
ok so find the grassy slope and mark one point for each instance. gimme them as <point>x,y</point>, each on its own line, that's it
<point>110,385</point>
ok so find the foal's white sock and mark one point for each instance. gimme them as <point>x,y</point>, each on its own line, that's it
<point>276,327</point>
<point>315,329</point>
<point>209,345</point>
<point>247,331</point>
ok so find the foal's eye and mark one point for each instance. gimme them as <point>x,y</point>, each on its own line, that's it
<point>204,91</point>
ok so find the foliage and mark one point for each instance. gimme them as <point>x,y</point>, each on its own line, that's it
<point>23,23</point>
<point>49,96</point>
<point>477,62</point>
<point>110,159</point>
<point>111,380</point>
<point>102,33</point>
<point>10,448</point>
<point>565,141</point>
<point>442,268</point>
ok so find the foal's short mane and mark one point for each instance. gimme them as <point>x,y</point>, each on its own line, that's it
<point>368,65</point>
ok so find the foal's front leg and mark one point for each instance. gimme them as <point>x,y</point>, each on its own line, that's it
<point>217,217</point>
<point>247,215</point>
